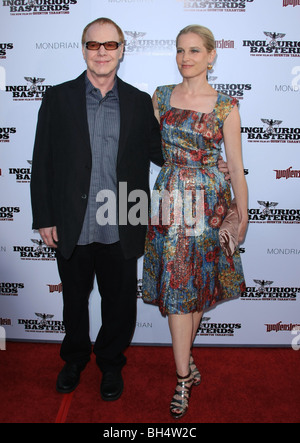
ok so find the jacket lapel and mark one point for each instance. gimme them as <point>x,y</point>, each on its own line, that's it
<point>126,97</point>
<point>77,98</point>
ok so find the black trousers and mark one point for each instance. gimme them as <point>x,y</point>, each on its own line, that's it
<point>117,284</point>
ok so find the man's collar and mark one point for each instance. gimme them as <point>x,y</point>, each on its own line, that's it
<point>90,87</point>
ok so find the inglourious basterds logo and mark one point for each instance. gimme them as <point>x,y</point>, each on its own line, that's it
<point>139,43</point>
<point>10,288</point>
<point>34,89</point>
<point>38,251</point>
<point>5,134</point>
<point>22,175</point>
<point>4,47</point>
<point>38,7</point>
<point>271,212</point>
<point>236,90</point>
<point>42,323</point>
<point>275,44</point>
<point>216,6</point>
<point>7,213</point>
<point>208,328</point>
<point>271,131</point>
<point>265,290</point>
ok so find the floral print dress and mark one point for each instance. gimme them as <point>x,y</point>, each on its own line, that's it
<point>185,269</point>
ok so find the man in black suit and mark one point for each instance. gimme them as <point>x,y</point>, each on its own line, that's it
<point>94,133</point>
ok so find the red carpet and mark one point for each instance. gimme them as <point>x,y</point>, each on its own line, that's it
<point>240,385</point>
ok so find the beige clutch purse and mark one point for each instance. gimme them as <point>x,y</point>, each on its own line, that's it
<point>228,233</point>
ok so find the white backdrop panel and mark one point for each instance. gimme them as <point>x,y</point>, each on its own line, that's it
<point>258,46</point>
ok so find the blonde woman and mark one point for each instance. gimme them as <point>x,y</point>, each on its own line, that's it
<point>186,274</point>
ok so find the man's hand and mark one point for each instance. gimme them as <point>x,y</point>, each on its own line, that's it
<point>49,236</point>
<point>222,166</point>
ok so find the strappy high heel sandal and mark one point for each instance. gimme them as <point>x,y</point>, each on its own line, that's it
<point>195,372</point>
<point>180,401</point>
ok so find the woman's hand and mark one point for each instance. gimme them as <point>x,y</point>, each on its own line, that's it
<point>223,167</point>
<point>243,225</point>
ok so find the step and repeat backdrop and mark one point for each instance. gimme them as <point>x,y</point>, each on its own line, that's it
<point>258,61</point>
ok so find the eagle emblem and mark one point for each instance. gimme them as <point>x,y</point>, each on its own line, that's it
<point>262,285</point>
<point>33,81</point>
<point>274,36</point>
<point>267,206</point>
<point>271,123</point>
<point>39,244</point>
<point>44,318</point>
<point>135,36</point>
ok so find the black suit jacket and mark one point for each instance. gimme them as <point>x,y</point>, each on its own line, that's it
<point>62,160</point>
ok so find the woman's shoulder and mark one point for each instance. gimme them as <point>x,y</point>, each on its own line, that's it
<point>225,105</point>
<point>164,89</point>
<point>163,93</point>
<point>227,99</point>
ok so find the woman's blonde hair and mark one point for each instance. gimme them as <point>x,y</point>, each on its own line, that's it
<point>203,32</point>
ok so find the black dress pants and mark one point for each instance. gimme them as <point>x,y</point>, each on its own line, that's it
<point>117,284</point>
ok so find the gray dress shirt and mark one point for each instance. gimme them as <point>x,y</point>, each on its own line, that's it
<point>100,223</point>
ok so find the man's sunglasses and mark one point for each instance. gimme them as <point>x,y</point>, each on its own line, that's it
<point>109,46</point>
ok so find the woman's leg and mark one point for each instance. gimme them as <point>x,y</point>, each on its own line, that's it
<point>197,316</point>
<point>181,328</point>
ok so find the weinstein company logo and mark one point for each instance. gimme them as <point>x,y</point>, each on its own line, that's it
<point>224,44</point>
<point>216,6</point>
<point>271,132</point>
<point>136,44</point>
<point>269,213</point>
<point>38,7</point>
<point>273,46</point>
<point>291,3</point>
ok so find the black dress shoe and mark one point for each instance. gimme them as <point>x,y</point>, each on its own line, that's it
<point>69,377</point>
<point>111,386</point>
